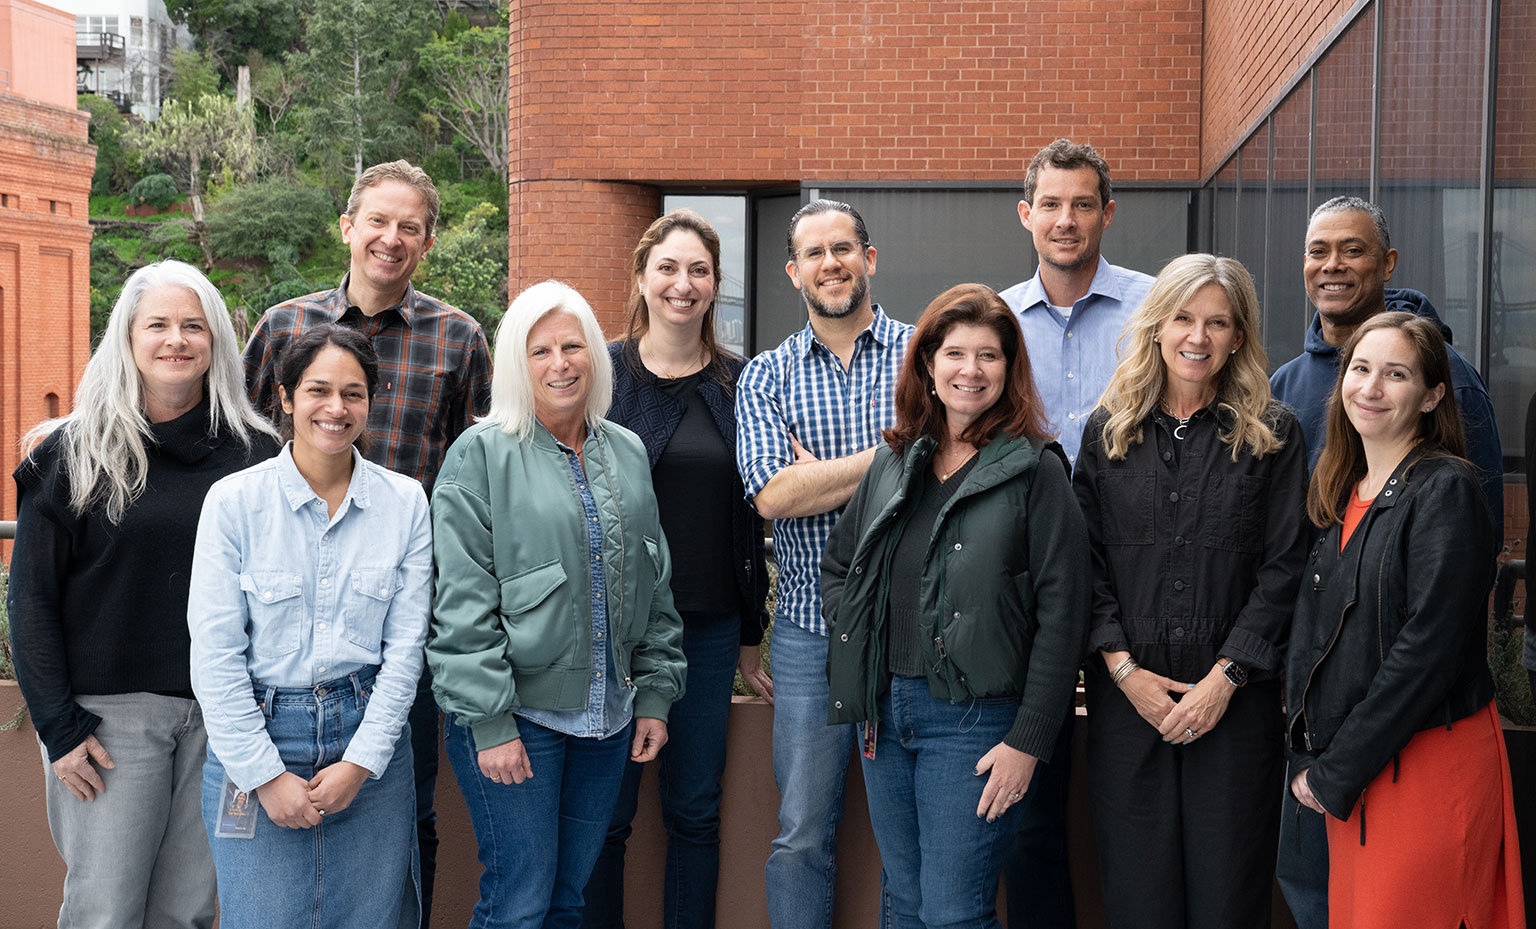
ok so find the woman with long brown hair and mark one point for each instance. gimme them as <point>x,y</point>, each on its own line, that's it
<point>1388,692</point>
<point>955,588</point>
<point>675,387</point>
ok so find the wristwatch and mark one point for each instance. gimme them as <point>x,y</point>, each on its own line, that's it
<point>1235,673</point>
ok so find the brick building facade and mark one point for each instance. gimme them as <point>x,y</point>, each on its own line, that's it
<point>45,236</point>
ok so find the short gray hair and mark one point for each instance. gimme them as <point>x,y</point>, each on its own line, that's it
<point>1354,204</point>
<point>511,382</point>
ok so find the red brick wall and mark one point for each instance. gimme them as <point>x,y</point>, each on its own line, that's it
<point>45,240</point>
<point>786,91</point>
<point>1252,50</point>
<point>1515,135</point>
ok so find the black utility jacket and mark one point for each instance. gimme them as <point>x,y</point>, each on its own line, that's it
<point>1195,556</point>
<point>1390,636</point>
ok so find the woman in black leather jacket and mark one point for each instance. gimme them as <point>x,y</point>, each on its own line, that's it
<point>1389,698</point>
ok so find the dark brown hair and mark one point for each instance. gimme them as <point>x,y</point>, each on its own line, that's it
<point>300,354</point>
<point>1068,156</point>
<point>1018,412</point>
<point>1342,463</point>
<point>640,313</point>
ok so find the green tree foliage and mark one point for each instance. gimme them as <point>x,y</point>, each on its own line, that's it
<point>467,75</point>
<point>193,137</point>
<point>227,30</point>
<point>274,221</point>
<point>116,166</point>
<point>156,190</point>
<point>192,75</point>
<point>467,266</point>
<point>358,58</point>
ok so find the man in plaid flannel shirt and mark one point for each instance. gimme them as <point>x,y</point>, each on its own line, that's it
<point>434,378</point>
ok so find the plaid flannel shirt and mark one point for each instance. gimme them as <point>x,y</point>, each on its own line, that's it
<point>434,371</point>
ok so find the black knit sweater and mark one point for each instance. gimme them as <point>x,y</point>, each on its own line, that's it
<point>97,608</point>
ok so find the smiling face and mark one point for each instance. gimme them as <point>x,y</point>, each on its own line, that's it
<point>1067,219</point>
<point>678,283</point>
<point>1383,388</point>
<point>171,343</point>
<point>329,404</point>
<point>969,370</point>
<point>1197,340</point>
<point>833,286</point>
<point>560,367</point>
<point>1345,269</point>
<point>387,236</point>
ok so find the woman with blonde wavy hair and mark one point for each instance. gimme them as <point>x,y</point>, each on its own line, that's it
<point>107,505</point>
<point>1193,484</point>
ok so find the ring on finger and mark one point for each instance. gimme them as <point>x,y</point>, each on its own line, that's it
<point>1015,797</point>
<point>1191,733</point>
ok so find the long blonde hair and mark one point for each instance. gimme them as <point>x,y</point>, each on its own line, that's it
<point>1242,386</point>
<point>103,444</point>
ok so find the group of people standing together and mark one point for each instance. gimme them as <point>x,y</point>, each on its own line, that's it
<point>235,636</point>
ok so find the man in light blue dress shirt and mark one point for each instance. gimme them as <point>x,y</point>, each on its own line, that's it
<point>809,415</point>
<point>1072,312</point>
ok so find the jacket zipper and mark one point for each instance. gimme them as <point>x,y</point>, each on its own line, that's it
<point>1301,712</point>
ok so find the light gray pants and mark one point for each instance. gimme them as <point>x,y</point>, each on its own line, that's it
<point>137,854</point>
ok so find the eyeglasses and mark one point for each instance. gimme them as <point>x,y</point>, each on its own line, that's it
<point>840,250</point>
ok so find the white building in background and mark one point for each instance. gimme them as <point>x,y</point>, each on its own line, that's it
<point>123,50</point>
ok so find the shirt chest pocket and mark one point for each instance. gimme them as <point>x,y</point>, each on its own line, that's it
<point>1125,506</point>
<point>1235,519</point>
<point>373,590</point>
<point>275,602</point>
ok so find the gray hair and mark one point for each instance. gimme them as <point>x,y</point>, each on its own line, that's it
<point>511,382</point>
<point>1352,204</point>
<point>104,437</point>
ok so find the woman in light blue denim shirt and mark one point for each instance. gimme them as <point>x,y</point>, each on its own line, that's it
<point>311,590</point>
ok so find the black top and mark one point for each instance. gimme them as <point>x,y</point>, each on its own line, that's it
<point>642,407</point>
<point>905,645</point>
<point>97,608</point>
<point>1195,556</point>
<point>694,480</point>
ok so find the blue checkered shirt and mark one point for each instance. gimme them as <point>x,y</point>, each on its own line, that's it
<point>1071,359</point>
<point>801,389</point>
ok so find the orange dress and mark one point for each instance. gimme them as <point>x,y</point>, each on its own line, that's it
<point>1432,842</point>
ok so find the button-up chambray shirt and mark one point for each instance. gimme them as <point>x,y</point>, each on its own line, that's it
<point>801,389</point>
<point>610,705</point>
<point>283,594</point>
<point>1071,359</point>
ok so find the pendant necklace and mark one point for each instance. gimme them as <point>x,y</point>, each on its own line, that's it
<point>1178,431</point>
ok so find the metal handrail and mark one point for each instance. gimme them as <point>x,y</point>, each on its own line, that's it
<point>7,529</point>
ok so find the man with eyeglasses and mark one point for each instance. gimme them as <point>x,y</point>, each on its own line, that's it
<point>1072,312</point>
<point>809,415</point>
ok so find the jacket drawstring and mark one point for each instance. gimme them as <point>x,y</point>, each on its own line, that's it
<point>1362,819</point>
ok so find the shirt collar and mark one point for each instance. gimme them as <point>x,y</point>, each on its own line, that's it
<point>1105,284</point>
<point>298,492</point>
<point>882,329</point>
<point>406,307</point>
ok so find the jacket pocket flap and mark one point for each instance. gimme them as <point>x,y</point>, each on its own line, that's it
<point>527,589</point>
<point>271,586</point>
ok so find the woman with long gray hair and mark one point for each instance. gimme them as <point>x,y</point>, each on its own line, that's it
<point>107,508</point>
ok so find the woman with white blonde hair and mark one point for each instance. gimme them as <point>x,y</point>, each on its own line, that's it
<point>107,509</point>
<point>1193,483</point>
<point>555,648</point>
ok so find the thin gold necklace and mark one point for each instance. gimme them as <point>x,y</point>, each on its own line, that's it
<point>944,476</point>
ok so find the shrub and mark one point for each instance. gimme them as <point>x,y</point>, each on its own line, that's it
<point>274,221</point>
<point>468,265</point>
<point>7,670</point>
<point>156,190</point>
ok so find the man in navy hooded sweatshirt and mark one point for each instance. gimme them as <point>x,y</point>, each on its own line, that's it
<point>1348,260</point>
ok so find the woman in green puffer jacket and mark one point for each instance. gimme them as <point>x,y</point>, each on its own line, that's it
<point>956,592</point>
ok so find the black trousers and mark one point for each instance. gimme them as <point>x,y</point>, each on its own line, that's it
<point>1186,834</point>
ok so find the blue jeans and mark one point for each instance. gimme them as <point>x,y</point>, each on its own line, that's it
<point>1038,871</point>
<point>810,766</point>
<point>356,870</point>
<point>1302,866</point>
<point>940,860</point>
<point>692,763</point>
<point>539,839</point>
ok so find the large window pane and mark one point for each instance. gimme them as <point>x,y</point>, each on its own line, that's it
<point>1512,339</point>
<point>1343,117</point>
<point>777,309</point>
<point>728,215</point>
<point>1253,206</point>
<point>1224,209</point>
<point>1286,310</point>
<point>1431,145</point>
